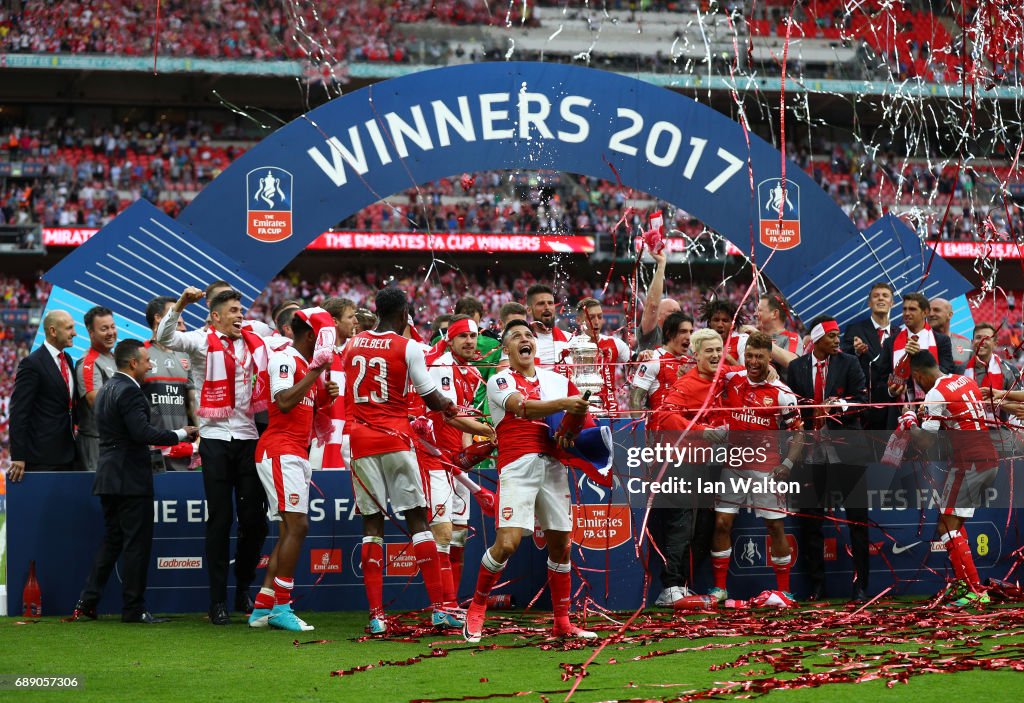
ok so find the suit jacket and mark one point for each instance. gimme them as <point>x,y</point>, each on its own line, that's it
<point>883,369</point>
<point>122,417</point>
<point>42,418</point>
<point>845,380</point>
<point>874,418</point>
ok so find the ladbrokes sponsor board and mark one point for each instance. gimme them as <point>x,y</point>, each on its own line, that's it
<point>179,562</point>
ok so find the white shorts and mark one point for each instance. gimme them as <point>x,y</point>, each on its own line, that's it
<point>534,489</point>
<point>768,506</point>
<point>394,476</point>
<point>965,490</point>
<point>460,504</point>
<point>285,479</point>
<point>440,497</point>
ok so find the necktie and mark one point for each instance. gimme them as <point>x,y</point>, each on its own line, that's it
<point>819,393</point>
<point>819,383</point>
<point>881,335</point>
<point>65,372</point>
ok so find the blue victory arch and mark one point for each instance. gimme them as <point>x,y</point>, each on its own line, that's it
<point>331,162</point>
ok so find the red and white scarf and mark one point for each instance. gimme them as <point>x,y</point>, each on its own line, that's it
<point>560,342</point>
<point>925,340</point>
<point>900,362</point>
<point>993,374</point>
<point>218,397</point>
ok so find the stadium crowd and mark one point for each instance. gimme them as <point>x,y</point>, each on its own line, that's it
<point>909,39</point>
<point>78,175</point>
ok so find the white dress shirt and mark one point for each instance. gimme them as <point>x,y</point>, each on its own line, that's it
<point>55,355</point>
<point>240,424</point>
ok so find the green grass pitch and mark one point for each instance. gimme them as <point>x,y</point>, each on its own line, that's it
<point>661,657</point>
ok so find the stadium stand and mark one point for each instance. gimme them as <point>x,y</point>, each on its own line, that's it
<point>831,38</point>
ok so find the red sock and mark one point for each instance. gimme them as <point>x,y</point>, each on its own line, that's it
<point>283,590</point>
<point>972,571</point>
<point>560,580</point>
<point>372,562</point>
<point>720,567</point>
<point>485,579</point>
<point>265,600</point>
<point>961,558</point>
<point>444,561</point>
<point>455,556</point>
<point>782,565</point>
<point>425,549</point>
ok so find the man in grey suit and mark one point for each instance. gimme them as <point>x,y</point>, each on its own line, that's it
<point>124,483</point>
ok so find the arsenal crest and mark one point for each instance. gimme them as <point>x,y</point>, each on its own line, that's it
<point>506,513</point>
<point>293,499</point>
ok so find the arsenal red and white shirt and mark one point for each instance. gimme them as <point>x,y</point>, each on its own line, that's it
<point>768,406</point>
<point>379,368</point>
<point>290,432</point>
<point>954,404</point>
<point>518,436</point>
<point>657,375</point>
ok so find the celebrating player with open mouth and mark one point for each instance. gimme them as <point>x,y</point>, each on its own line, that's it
<point>754,406</point>
<point>532,482</point>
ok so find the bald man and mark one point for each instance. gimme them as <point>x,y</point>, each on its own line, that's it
<point>940,314</point>
<point>43,403</point>
<point>656,310</point>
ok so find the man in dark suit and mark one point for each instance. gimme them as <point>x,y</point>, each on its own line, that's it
<point>124,482</point>
<point>42,404</point>
<point>832,383</point>
<point>914,336</point>
<point>864,339</point>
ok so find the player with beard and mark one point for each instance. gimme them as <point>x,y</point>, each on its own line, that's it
<point>379,366</point>
<point>533,485</point>
<point>655,376</point>
<point>448,500</point>
<point>613,354</point>
<point>229,368</point>
<point>754,405</point>
<point>550,340</point>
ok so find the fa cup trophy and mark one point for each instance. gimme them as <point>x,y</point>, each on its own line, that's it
<point>586,372</point>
